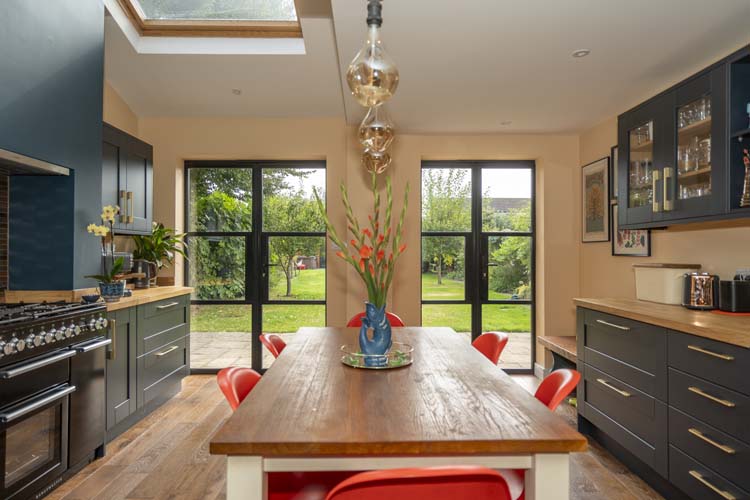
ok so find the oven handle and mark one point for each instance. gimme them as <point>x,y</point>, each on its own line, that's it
<point>93,345</point>
<point>22,368</point>
<point>37,403</point>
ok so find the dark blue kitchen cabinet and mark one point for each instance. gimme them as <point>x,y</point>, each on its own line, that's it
<point>673,166</point>
<point>127,180</point>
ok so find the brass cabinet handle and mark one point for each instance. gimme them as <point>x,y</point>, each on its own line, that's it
<point>167,306</point>
<point>726,449</point>
<point>722,402</point>
<point>607,323</point>
<point>612,387</point>
<point>668,204</point>
<point>130,207</point>
<point>164,353</point>
<point>723,494</point>
<point>124,205</point>
<point>112,354</point>
<point>655,179</point>
<point>725,357</point>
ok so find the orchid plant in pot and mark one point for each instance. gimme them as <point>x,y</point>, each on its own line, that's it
<point>111,285</point>
<point>373,252</point>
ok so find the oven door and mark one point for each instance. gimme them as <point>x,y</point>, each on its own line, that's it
<point>34,442</point>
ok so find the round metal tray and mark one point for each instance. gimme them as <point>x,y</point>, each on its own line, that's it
<point>398,356</point>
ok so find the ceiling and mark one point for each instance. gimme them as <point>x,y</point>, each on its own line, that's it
<point>467,69</point>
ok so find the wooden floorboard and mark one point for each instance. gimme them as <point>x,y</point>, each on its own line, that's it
<point>165,456</point>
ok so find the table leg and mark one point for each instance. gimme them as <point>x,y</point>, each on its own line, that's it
<point>246,478</point>
<point>549,477</point>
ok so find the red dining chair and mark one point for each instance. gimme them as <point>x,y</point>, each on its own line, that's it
<point>557,386</point>
<point>236,383</point>
<point>435,483</point>
<point>356,321</point>
<point>491,344</point>
<point>274,343</point>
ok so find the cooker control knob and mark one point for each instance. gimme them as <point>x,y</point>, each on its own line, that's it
<point>19,343</point>
<point>41,337</point>
<point>92,324</point>
<point>60,334</point>
<point>82,326</point>
<point>68,332</point>
<point>100,323</point>
<point>2,348</point>
<point>76,329</point>
<point>104,322</point>
<point>31,341</point>
<point>49,337</point>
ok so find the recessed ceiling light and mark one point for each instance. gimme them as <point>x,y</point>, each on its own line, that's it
<point>506,123</point>
<point>236,91</point>
<point>581,52</point>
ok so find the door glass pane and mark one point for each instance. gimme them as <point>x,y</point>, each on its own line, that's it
<point>694,149</point>
<point>32,443</point>
<point>288,202</point>
<point>285,320</point>
<point>221,199</point>
<point>640,173</point>
<point>446,199</point>
<point>456,316</point>
<point>297,268</point>
<point>220,335</point>
<point>217,267</point>
<point>506,199</point>
<point>515,320</point>
<point>443,265</point>
<point>509,268</point>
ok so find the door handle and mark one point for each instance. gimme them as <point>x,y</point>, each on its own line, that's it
<point>130,207</point>
<point>723,402</point>
<point>606,384</point>
<point>36,403</point>
<point>668,203</point>
<point>725,357</point>
<point>726,449</point>
<point>723,494</point>
<point>124,205</point>
<point>112,354</point>
<point>164,353</point>
<point>613,325</point>
<point>21,368</point>
<point>167,306</point>
<point>656,206</point>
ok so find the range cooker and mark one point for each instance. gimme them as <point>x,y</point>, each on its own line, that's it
<point>52,393</point>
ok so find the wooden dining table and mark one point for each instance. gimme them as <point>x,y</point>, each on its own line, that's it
<point>451,406</point>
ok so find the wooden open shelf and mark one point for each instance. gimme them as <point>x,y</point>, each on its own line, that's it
<point>644,146</point>
<point>695,173</point>
<point>696,128</point>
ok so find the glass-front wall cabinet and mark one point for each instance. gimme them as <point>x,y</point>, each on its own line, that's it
<point>641,166</point>
<point>694,149</point>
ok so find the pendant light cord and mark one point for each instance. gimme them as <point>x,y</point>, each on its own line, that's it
<point>374,13</point>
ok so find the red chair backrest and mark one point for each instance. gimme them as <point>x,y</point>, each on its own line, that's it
<point>491,344</point>
<point>236,383</point>
<point>435,483</point>
<point>557,386</point>
<point>273,343</point>
<point>356,321</point>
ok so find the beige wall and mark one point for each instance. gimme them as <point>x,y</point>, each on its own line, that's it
<point>720,247</point>
<point>117,112</point>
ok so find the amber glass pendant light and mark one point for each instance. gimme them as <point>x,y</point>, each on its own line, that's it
<point>376,131</point>
<point>372,75</point>
<point>376,162</point>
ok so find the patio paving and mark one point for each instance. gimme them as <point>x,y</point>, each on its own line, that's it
<point>211,350</point>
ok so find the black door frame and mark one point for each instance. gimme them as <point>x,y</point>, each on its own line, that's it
<point>476,249</point>
<point>256,248</point>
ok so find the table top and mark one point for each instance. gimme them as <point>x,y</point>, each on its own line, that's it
<point>733,330</point>
<point>450,401</point>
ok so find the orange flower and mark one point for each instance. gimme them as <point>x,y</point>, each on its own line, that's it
<point>372,269</point>
<point>340,254</point>
<point>381,238</point>
<point>353,243</point>
<point>402,248</point>
<point>362,265</point>
<point>381,254</point>
<point>367,232</point>
<point>365,252</point>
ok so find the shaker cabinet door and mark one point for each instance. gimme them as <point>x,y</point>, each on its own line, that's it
<point>121,366</point>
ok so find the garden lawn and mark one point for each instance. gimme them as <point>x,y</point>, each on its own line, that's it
<point>309,284</point>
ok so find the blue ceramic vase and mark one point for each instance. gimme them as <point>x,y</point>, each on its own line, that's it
<point>112,292</point>
<point>380,342</point>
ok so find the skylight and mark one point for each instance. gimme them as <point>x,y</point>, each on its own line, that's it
<point>224,10</point>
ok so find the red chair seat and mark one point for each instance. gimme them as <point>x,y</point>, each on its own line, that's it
<point>394,320</point>
<point>556,387</point>
<point>274,343</point>
<point>491,344</point>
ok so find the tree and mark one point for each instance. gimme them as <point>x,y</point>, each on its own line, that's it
<point>512,255</point>
<point>446,206</point>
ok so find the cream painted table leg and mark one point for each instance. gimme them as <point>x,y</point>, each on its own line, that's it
<point>549,477</point>
<point>246,478</point>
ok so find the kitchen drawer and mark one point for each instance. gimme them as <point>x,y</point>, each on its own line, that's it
<point>160,365</point>
<point>162,315</point>
<point>153,341</point>
<point>716,405</point>
<point>700,482</point>
<point>718,362</point>
<point>722,453</point>
<point>634,352</point>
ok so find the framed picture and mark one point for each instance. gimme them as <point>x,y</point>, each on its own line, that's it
<point>595,206</point>
<point>629,242</point>
<point>613,175</point>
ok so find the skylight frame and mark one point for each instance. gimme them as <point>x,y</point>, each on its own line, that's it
<point>208,27</point>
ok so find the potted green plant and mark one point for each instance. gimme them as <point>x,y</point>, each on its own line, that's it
<point>111,284</point>
<point>154,251</point>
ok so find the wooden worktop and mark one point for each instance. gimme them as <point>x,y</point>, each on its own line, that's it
<point>450,401</point>
<point>149,295</point>
<point>730,329</point>
<point>139,296</point>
